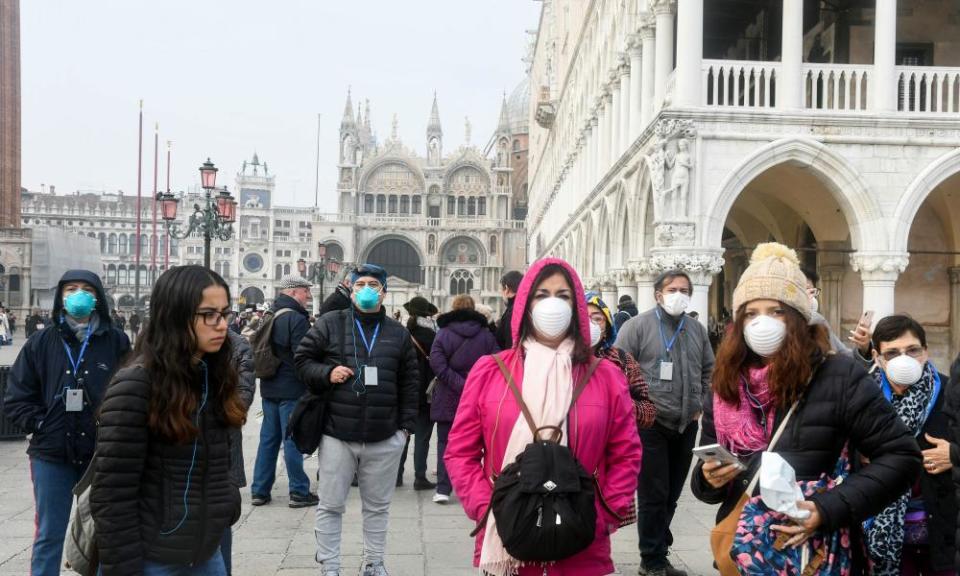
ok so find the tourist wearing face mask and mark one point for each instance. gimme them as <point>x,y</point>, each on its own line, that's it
<point>368,364</point>
<point>551,352</point>
<point>676,358</point>
<point>603,334</point>
<point>774,363</point>
<point>908,537</point>
<point>53,392</point>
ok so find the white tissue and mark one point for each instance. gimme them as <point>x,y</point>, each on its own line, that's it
<point>778,486</point>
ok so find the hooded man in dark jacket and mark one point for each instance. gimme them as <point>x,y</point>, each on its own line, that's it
<point>365,363</point>
<point>280,394</point>
<point>626,309</point>
<point>509,284</point>
<point>54,392</point>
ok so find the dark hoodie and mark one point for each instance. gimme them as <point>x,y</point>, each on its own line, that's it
<point>34,399</point>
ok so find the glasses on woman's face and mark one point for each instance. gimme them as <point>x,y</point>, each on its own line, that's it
<point>598,319</point>
<point>212,318</point>
<point>912,351</point>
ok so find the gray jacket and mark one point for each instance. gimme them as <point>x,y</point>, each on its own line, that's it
<point>246,387</point>
<point>680,400</point>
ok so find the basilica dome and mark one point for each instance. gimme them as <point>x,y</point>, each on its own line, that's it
<point>518,108</point>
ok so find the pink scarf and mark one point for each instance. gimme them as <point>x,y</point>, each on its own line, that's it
<point>547,389</point>
<point>737,425</point>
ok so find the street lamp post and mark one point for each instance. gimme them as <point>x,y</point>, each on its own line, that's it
<point>213,220</point>
<point>323,269</point>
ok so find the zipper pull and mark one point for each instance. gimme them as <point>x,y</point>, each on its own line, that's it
<point>540,517</point>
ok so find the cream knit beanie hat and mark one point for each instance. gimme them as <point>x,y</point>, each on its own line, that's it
<point>774,274</point>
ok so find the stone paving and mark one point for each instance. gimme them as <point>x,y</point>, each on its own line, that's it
<point>425,539</point>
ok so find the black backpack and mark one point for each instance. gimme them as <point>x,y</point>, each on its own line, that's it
<point>265,361</point>
<point>544,503</point>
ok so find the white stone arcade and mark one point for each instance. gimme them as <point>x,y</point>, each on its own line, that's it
<point>639,163</point>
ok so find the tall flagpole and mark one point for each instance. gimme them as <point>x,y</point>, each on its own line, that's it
<point>154,241</point>
<point>136,275</point>
<point>166,251</point>
<point>316,172</point>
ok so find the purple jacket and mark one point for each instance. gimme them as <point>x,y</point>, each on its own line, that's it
<point>464,338</point>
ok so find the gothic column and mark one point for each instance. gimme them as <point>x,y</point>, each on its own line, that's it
<point>605,130</point>
<point>878,274</point>
<point>648,96</point>
<point>636,98</point>
<point>614,135</point>
<point>831,296</point>
<point>954,309</point>
<point>883,86</point>
<point>664,13</point>
<point>608,290</point>
<point>690,52</point>
<point>644,275</point>
<point>626,113</point>
<point>626,285</point>
<point>790,80</point>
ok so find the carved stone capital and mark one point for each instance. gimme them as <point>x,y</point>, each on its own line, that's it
<point>648,26</point>
<point>622,277</point>
<point>700,265</point>
<point>641,269</point>
<point>660,7</point>
<point>879,266</point>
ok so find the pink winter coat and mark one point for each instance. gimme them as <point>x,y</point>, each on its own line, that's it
<point>601,426</point>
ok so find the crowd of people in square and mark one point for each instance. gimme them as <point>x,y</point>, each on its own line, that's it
<point>557,423</point>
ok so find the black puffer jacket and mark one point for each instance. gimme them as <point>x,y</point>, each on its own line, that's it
<point>138,486</point>
<point>378,411</point>
<point>842,403</point>
<point>953,416</point>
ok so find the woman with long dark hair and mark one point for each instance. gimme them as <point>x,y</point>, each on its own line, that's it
<point>776,372</point>
<point>161,496</point>
<point>551,353</point>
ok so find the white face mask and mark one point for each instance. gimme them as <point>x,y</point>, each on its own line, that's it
<point>904,370</point>
<point>814,305</point>
<point>675,303</point>
<point>595,334</point>
<point>765,335</point>
<point>551,317</point>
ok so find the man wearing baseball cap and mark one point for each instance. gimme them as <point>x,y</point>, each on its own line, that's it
<point>280,394</point>
<point>367,363</point>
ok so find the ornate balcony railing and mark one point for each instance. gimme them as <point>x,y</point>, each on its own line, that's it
<point>839,87</point>
<point>926,89</point>
<point>740,83</point>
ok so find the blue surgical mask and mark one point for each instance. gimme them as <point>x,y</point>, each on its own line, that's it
<point>367,298</point>
<point>79,304</point>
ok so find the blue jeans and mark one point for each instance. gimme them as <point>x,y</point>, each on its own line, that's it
<point>212,567</point>
<point>53,484</point>
<point>226,550</point>
<point>276,413</point>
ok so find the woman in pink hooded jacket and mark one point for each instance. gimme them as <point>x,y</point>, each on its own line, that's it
<point>551,350</point>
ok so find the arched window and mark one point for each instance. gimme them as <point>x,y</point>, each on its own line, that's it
<point>399,257</point>
<point>472,207</point>
<point>381,204</point>
<point>112,244</point>
<point>404,204</point>
<point>461,206</point>
<point>123,244</point>
<point>278,272</point>
<point>482,206</point>
<point>393,204</point>
<point>174,247</point>
<point>516,145</point>
<point>417,207</point>
<point>122,274</point>
<point>103,243</point>
<point>144,277</point>
<point>451,205</point>
<point>493,244</point>
<point>226,270</point>
<point>368,203</point>
<point>286,269</point>
<point>461,282</point>
<point>111,274</point>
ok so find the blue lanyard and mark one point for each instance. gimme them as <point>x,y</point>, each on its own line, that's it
<point>75,364</point>
<point>373,341</point>
<point>669,345</point>
<point>937,385</point>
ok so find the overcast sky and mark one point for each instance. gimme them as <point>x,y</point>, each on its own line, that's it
<point>225,78</point>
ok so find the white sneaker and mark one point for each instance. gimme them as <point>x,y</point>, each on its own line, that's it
<point>441,498</point>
